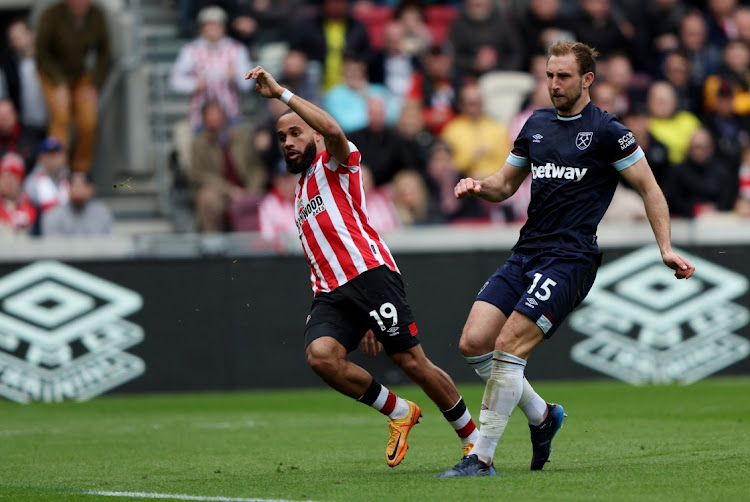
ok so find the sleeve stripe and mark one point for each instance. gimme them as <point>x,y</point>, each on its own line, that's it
<point>517,160</point>
<point>629,160</point>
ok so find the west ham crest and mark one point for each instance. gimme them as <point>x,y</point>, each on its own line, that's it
<point>583,140</point>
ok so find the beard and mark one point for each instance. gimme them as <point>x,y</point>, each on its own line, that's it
<point>304,161</point>
<point>570,101</point>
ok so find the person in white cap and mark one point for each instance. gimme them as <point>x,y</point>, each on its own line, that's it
<point>212,67</point>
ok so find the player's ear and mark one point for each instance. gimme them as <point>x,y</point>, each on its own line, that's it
<point>588,79</point>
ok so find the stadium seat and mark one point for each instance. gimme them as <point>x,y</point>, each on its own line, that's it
<point>504,92</point>
<point>374,17</point>
<point>439,19</point>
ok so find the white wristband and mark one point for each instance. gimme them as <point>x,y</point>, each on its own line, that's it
<point>286,96</point>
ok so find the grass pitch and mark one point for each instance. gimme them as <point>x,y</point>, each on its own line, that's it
<point>619,443</point>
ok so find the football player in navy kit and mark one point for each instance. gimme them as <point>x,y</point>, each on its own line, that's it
<point>575,153</point>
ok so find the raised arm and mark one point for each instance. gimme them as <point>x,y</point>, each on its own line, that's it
<point>640,177</point>
<point>315,117</point>
<point>496,187</point>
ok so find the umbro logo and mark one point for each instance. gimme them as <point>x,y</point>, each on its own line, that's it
<point>393,331</point>
<point>531,303</point>
<point>537,138</point>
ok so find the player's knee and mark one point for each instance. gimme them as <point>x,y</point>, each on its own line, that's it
<point>471,345</point>
<point>320,360</point>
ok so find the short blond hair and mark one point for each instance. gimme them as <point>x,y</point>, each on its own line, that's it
<point>585,55</point>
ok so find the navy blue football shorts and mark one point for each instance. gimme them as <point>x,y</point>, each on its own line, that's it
<point>375,300</point>
<point>545,285</point>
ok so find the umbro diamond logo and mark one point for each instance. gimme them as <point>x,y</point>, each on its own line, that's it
<point>531,303</point>
<point>537,138</point>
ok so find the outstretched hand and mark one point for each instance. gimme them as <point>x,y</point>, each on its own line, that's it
<point>265,85</point>
<point>683,268</point>
<point>466,187</point>
<point>370,344</point>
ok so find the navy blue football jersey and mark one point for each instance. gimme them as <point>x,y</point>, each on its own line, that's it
<point>574,164</point>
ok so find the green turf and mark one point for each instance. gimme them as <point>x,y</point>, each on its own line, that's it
<point>619,443</point>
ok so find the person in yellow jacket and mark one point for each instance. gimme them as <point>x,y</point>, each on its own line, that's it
<point>479,143</point>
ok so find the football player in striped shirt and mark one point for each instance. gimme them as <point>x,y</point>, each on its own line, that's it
<point>359,294</point>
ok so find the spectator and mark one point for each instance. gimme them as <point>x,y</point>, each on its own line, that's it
<point>735,69</point>
<point>265,133</point>
<point>676,71</point>
<point>442,176</point>
<point>704,58</point>
<point>276,214</point>
<point>539,98</point>
<point>380,146</point>
<point>22,79</point>
<point>656,153</point>
<point>301,76</point>
<point>225,172</point>
<point>479,143</point>
<point>380,209</point>
<point>730,131</point>
<point>417,36</point>
<point>212,67</point>
<point>630,86</point>
<point>704,183</point>
<point>409,196</point>
<point>720,21</point>
<point>415,138</point>
<point>742,204</point>
<point>258,22</point>
<point>484,41</point>
<point>393,66</point>
<point>541,25</point>
<point>669,125</point>
<point>14,137</point>
<point>70,33</point>
<point>604,95</point>
<point>663,18</point>
<point>82,215</point>
<point>330,35</point>
<point>597,27</point>
<point>48,184</point>
<point>434,87</point>
<point>347,101</point>
<point>742,22</point>
<point>17,213</point>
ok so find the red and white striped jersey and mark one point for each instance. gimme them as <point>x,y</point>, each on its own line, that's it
<point>333,225</point>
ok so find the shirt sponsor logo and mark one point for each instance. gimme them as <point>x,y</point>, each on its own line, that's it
<point>644,326</point>
<point>550,170</point>
<point>63,334</point>
<point>312,208</point>
<point>583,140</point>
<point>626,140</point>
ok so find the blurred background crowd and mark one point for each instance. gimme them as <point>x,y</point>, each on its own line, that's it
<point>429,91</point>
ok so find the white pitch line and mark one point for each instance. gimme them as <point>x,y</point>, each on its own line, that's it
<point>178,496</point>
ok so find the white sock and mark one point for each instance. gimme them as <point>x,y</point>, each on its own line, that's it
<point>482,365</point>
<point>533,406</point>
<point>503,391</point>
<point>400,410</point>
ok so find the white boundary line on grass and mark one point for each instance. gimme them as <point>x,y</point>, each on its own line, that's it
<point>177,496</point>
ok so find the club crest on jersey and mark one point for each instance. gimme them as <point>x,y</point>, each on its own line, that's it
<point>583,140</point>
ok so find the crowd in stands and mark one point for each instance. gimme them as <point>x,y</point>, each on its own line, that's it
<point>429,91</point>
<point>409,81</point>
<point>50,77</point>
